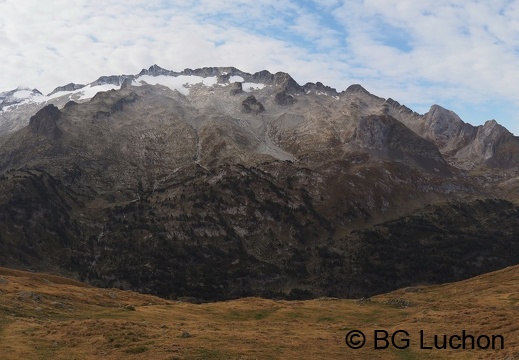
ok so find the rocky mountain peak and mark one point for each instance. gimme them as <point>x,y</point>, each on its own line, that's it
<point>36,92</point>
<point>437,111</point>
<point>17,96</point>
<point>495,146</point>
<point>288,84</point>
<point>442,125</point>
<point>492,131</point>
<point>155,70</point>
<point>68,87</point>
<point>492,124</point>
<point>356,88</point>
<point>263,76</point>
<point>117,80</point>
<point>211,71</point>
<point>319,88</point>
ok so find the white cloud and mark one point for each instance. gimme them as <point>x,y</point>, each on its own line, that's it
<point>461,52</point>
<point>310,27</point>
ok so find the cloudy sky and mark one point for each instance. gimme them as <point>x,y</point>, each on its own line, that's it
<point>463,55</point>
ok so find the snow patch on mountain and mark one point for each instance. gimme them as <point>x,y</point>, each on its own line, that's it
<point>90,91</point>
<point>248,87</point>
<point>235,78</point>
<point>181,83</point>
<point>24,96</point>
<point>21,95</point>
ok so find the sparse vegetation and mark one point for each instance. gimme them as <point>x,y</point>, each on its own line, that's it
<point>95,325</point>
<point>136,350</point>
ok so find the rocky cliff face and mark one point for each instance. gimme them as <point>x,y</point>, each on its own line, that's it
<point>214,183</point>
<point>463,145</point>
<point>45,122</point>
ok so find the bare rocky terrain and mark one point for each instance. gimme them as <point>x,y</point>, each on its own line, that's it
<point>212,184</point>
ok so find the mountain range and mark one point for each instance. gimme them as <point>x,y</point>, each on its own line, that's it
<point>214,183</point>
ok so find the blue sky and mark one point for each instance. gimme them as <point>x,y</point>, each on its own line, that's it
<point>462,55</point>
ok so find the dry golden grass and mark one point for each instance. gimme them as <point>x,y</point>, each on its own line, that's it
<point>49,317</point>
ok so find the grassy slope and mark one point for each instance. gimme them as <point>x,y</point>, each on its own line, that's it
<point>48,317</point>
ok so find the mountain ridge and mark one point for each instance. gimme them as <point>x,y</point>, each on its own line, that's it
<point>430,127</point>
<point>216,184</point>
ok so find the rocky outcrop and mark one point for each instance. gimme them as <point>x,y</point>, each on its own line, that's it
<point>287,83</point>
<point>468,146</point>
<point>236,88</point>
<point>68,87</point>
<point>109,102</point>
<point>252,106</point>
<point>385,136</point>
<point>492,145</point>
<point>263,76</point>
<point>112,79</point>
<point>355,89</point>
<point>284,99</point>
<point>446,129</point>
<point>395,105</point>
<point>319,88</point>
<point>156,70</point>
<point>44,122</point>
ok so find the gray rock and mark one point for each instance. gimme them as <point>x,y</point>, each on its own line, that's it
<point>252,106</point>
<point>236,88</point>
<point>45,122</point>
<point>68,87</point>
<point>282,98</point>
